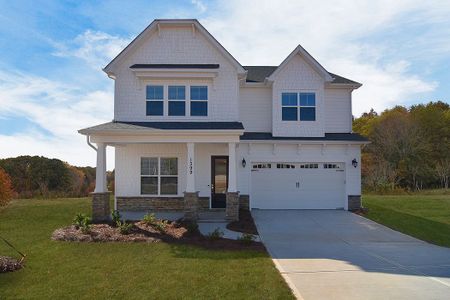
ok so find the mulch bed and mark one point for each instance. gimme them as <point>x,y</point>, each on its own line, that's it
<point>9,264</point>
<point>174,232</point>
<point>245,223</point>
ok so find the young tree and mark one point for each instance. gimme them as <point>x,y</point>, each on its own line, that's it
<point>6,191</point>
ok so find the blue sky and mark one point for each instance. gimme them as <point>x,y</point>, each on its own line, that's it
<point>52,52</point>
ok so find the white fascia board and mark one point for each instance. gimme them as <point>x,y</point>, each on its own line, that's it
<point>159,132</point>
<point>351,86</point>
<point>144,139</point>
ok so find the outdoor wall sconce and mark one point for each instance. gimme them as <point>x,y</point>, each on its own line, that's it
<point>244,163</point>
<point>354,162</point>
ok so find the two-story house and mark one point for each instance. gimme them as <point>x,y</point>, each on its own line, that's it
<point>195,130</point>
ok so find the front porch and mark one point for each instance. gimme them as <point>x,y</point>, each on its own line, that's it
<point>184,173</point>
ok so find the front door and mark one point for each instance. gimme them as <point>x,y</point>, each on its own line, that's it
<point>219,181</point>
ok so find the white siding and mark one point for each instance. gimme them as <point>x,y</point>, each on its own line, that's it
<point>298,76</point>
<point>338,110</point>
<point>176,45</point>
<point>255,108</point>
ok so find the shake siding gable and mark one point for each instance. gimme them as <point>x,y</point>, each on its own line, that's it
<point>176,45</point>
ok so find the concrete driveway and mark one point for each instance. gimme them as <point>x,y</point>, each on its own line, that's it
<point>340,255</point>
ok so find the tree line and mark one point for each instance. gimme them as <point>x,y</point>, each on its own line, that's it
<point>38,176</point>
<point>409,149</point>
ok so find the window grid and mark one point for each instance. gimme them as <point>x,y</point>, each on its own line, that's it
<point>159,175</point>
<point>177,100</point>
<point>199,100</point>
<point>154,100</point>
<point>298,106</point>
<point>174,100</point>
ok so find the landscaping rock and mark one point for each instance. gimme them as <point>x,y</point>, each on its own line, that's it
<point>9,264</point>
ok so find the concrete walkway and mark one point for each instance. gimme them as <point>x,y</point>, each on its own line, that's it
<point>340,255</point>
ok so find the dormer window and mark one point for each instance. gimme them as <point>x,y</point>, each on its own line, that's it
<point>298,106</point>
<point>155,100</point>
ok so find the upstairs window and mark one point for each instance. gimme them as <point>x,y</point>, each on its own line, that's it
<point>199,100</point>
<point>307,107</point>
<point>177,100</point>
<point>298,106</point>
<point>155,100</point>
<point>289,102</point>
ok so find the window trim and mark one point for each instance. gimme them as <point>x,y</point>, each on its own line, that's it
<point>198,100</point>
<point>299,106</point>
<point>158,176</point>
<point>176,100</point>
<point>187,101</point>
<point>148,100</point>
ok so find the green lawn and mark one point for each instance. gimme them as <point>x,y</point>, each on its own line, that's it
<point>425,216</point>
<point>113,270</point>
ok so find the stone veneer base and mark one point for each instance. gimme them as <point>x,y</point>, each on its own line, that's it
<point>100,206</point>
<point>354,202</point>
<point>232,208</point>
<point>156,203</point>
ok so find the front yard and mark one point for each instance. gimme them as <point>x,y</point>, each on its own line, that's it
<point>425,216</point>
<point>123,270</point>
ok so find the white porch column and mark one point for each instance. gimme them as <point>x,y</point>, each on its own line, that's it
<point>190,176</point>
<point>100,171</point>
<point>232,181</point>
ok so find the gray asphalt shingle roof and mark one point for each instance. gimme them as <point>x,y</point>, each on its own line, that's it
<point>118,126</point>
<point>259,73</point>
<point>258,136</point>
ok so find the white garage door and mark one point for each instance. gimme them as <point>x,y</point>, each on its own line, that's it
<point>298,185</point>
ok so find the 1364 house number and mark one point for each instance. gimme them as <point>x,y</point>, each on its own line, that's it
<point>190,165</point>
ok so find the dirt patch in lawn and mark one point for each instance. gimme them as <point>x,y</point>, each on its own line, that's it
<point>173,232</point>
<point>9,264</point>
<point>245,223</point>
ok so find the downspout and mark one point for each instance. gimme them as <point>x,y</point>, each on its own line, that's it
<point>88,139</point>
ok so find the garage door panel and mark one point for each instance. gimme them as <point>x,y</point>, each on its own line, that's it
<point>298,188</point>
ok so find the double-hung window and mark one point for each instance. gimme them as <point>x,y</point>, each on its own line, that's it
<point>307,106</point>
<point>155,100</point>
<point>199,100</point>
<point>177,100</point>
<point>289,102</point>
<point>159,176</point>
<point>298,106</point>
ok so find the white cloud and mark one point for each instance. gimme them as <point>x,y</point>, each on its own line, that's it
<point>94,47</point>
<point>55,107</point>
<point>201,7</point>
<point>338,36</point>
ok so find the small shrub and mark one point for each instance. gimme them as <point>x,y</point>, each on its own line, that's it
<point>115,217</point>
<point>86,225</point>
<point>124,227</point>
<point>83,222</point>
<point>215,235</point>
<point>161,226</point>
<point>78,220</point>
<point>246,238</point>
<point>192,227</point>
<point>149,219</point>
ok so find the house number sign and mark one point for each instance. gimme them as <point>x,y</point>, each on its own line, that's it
<point>190,165</point>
